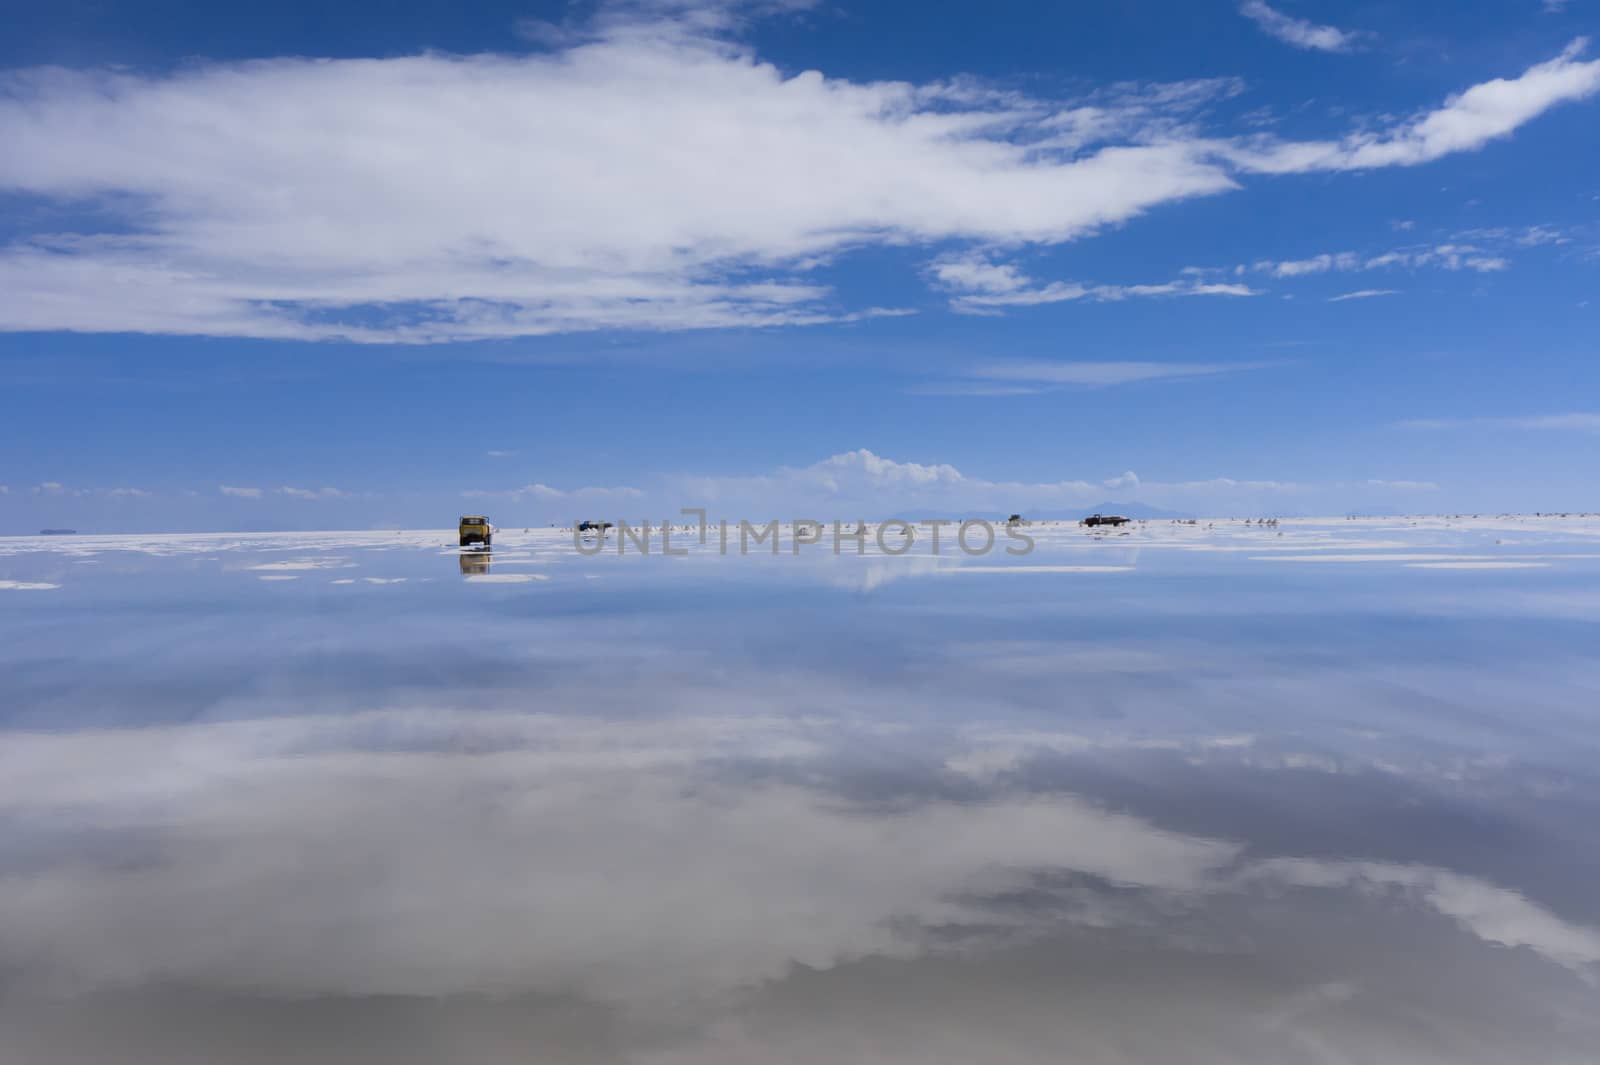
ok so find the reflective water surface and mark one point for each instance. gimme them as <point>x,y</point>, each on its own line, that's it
<point>1318,792</point>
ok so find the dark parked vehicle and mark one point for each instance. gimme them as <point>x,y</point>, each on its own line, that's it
<point>1104,519</point>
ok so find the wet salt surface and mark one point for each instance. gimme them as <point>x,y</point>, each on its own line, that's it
<point>1185,794</point>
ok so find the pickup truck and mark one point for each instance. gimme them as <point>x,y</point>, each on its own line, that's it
<point>1104,519</point>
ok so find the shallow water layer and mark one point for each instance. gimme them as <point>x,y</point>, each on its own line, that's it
<point>1313,792</point>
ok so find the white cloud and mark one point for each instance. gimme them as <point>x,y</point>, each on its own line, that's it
<point>985,287</point>
<point>1554,7</point>
<point>240,493</point>
<point>310,493</point>
<point>496,454</point>
<point>1364,294</point>
<point>1298,32</point>
<point>1100,374</point>
<point>1447,256</point>
<point>865,481</point>
<point>973,272</point>
<point>864,484</point>
<point>646,177</point>
<point>1576,423</point>
<point>1525,236</point>
<point>1467,121</point>
<point>1444,256</point>
<point>543,492</point>
<point>860,474</point>
<point>470,196</point>
<point>1315,265</point>
<point>882,472</point>
<point>1405,486</point>
<point>57,489</point>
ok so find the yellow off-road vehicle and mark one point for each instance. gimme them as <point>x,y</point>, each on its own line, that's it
<point>475,529</point>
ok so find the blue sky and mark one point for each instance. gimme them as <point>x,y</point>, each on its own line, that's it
<point>301,267</point>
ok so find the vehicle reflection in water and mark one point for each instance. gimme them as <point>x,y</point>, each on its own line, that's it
<point>475,563</point>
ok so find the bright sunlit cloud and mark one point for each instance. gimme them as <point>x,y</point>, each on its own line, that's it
<point>654,176</point>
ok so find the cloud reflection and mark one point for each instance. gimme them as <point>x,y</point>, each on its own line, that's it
<point>693,815</point>
<point>387,855</point>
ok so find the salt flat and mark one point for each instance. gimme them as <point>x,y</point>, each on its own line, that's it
<point>1223,790</point>
<point>1380,539</point>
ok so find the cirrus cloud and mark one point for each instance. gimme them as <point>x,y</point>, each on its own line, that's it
<point>1302,33</point>
<point>1573,423</point>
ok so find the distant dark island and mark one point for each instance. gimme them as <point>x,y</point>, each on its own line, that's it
<point>58,532</point>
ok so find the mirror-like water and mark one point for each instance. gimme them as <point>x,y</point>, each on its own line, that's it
<point>1319,792</point>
